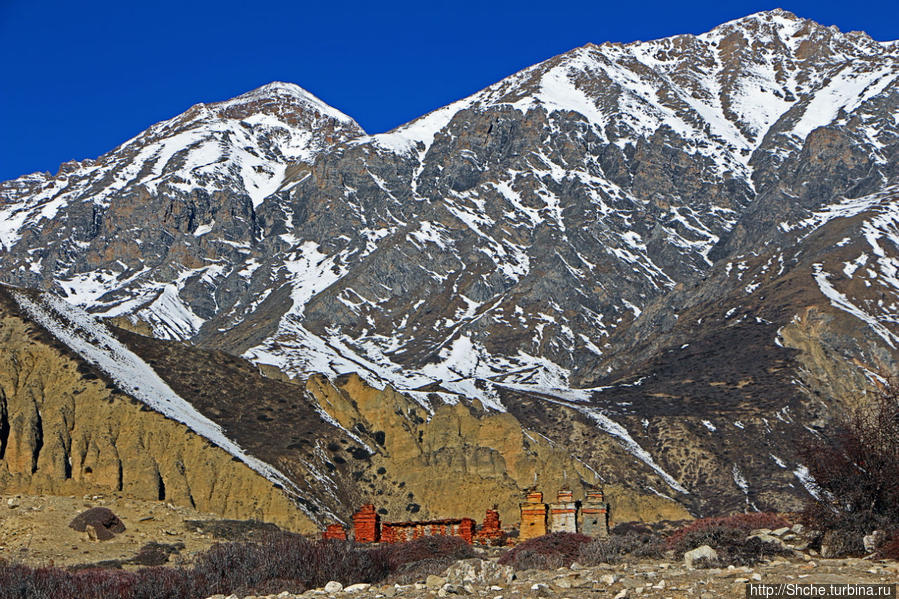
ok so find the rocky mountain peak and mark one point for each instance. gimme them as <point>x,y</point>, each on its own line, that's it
<point>615,213</point>
<point>282,99</point>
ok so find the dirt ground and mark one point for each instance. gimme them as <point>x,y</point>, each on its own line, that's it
<point>34,529</point>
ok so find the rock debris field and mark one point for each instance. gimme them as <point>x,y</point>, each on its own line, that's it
<point>643,579</point>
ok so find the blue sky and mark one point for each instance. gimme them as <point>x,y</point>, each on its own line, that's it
<point>81,77</point>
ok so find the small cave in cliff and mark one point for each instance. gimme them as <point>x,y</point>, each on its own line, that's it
<point>4,428</point>
<point>160,487</point>
<point>38,431</point>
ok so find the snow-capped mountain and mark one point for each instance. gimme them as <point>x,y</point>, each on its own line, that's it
<point>655,235</point>
<point>507,236</point>
<point>168,210</point>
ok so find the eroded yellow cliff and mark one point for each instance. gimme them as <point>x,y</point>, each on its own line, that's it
<point>64,430</point>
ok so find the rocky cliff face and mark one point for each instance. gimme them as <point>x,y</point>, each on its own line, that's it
<point>65,428</point>
<point>680,253</point>
<point>162,224</point>
<point>69,426</point>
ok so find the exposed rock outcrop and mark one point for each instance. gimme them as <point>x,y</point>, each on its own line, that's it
<point>69,431</point>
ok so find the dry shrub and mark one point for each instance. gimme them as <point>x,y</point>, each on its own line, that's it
<point>231,567</point>
<point>278,562</point>
<point>22,582</point>
<point>419,570</point>
<point>616,547</point>
<point>839,543</point>
<point>857,469</point>
<point>743,522</point>
<point>730,542</point>
<point>890,548</point>
<point>414,560</point>
<point>601,551</point>
<point>398,555</point>
<point>548,552</point>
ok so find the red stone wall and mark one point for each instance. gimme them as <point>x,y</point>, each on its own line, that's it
<point>400,532</point>
<point>367,525</point>
<point>491,529</point>
<point>335,531</point>
<point>466,529</point>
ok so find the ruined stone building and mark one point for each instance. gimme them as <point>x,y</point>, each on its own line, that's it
<point>533,517</point>
<point>591,517</point>
<point>367,525</point>
<point>563,513</point>
<point>399,532</point>
<point>491,530</point>
<point>368,528</point>
<point>595,515</point>
<point>335,532</point>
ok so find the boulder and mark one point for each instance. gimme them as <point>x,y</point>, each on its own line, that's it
<point>780,531</point>
<point>768,538</point>
<point>479,572</point>
<point>357,588</point>
<point>333,587</point>
<point>608,579</point>
<point>97,533</point>
<point>873,541</point>
<point>452,589</point>
<point>434,582</point>
<point>99,523</point>
<point>701,552</point>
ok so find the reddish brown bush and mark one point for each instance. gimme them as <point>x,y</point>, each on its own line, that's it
<point>399,554</point>
<point>278,562</point>
<point>550,551</point>
<point>856,468</point>
<point>231,567</point>
<point>741,522</point>
<point>890,549</point>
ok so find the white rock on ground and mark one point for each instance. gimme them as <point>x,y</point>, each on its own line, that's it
<point>479,571</point>
<point>333,587</point>
<point>703,551</point>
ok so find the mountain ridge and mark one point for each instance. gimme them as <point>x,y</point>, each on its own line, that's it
<point>571,243</point>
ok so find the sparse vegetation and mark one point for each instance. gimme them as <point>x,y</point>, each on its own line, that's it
<point>741,522</point>
<point>856,467</point>
<point>616,547</point>
<point>412,561</point>
<point>155,554</point>
<point>548,552</point>
<point>729,537</point>
<point>281,561</point>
